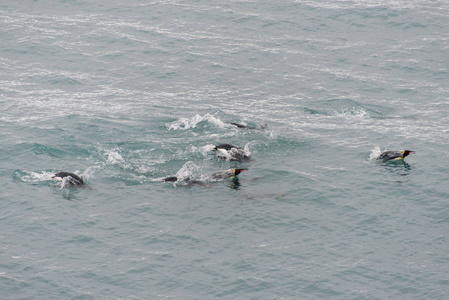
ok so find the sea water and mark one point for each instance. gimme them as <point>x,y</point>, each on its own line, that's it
<point>126,93</point>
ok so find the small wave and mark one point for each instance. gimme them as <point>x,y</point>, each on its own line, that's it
<point>90,171</point>
<point>64,81</point>
<point>344,108</point>
<point>40,149</point>
<point>359,112</point>
<point>196,121</point>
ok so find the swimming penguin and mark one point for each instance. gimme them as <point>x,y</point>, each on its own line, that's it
<point>261,127</point>
<point>394,155</point>
<point>227,174</point>
<point>218,175</point>
<point>73,180</point>
<point>232,153</point>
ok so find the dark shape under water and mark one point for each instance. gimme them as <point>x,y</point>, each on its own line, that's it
<point>170,179</point>
<point>394,155</point>
<point>260,127</point>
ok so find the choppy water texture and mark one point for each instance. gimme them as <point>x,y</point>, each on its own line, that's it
<point>125,93</point>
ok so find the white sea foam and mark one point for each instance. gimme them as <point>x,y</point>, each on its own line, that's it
<point>34,177</point>
<point>188,123</point>
<point>114,157</point>
<point>188,170</point>
<point>64,182</point>
<point>206,148</point>
<point>354,112</point>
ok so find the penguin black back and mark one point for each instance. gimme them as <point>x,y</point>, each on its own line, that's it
<point>226,147</point>
<point>75,180</point>
<point>170,179</point>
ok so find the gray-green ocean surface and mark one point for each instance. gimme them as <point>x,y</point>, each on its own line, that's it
<point>126,93</point>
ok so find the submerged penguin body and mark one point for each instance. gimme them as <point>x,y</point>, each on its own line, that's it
<point>260,127</point>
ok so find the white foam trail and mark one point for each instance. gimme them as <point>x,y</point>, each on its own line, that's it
<point>188,123</point>
<point>37,177</point>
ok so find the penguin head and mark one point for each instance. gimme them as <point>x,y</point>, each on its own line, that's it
<point>238,171</point>
<point>407,152</point>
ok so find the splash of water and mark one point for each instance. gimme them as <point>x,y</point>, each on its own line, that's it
<point>188,170</point>
<point>113,157</point>
<point>33,177</point>
<point>375,153</point>
<point>188,123</point>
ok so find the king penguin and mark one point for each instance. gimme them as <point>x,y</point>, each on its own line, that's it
<point>394,155</point>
